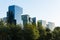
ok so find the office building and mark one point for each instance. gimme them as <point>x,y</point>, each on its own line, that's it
<point>50,25</point>
<point>10,18</point>
<point>34,21</point>
<point>42,22</point>
<point>26,19</point>
<point>14,13</point>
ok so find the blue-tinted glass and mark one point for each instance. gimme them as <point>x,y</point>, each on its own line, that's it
<point>17,11</point>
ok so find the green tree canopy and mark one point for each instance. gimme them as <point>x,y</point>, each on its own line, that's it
<point>30,32</point>
<point>56,33</point>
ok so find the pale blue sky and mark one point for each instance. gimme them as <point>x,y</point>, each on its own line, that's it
<point>48,10</point>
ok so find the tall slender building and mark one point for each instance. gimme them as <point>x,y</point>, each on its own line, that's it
<point>14,13</point>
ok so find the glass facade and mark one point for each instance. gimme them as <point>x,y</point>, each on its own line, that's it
<point>17,11</point>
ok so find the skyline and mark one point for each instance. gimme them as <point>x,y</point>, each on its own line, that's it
<point>43,9</point>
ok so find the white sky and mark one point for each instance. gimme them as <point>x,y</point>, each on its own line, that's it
<point>48,10</point>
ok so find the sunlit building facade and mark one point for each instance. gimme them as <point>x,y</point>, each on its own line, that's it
<point>14,12</point>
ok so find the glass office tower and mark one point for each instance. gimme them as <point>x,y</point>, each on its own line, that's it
<point>16,12</point>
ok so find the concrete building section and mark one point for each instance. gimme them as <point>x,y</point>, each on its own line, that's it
<point>50,25</point>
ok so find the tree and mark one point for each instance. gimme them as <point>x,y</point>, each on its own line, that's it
<point>15,32</point>
<point>3,31</point>
<point>48,34</point>
<point>56,33</point>
<point>42,31</point>
<point>10,32</point>
<point>1,23</point>
<point>31,32</point>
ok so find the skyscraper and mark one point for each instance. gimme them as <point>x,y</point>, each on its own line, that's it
<point>15,13</point>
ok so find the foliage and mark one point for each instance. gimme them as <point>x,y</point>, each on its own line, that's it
<point>41,31</point>
<point>48,34</point>
<point>29,32</point>
<point>56,33</point>
<point>10,32</point>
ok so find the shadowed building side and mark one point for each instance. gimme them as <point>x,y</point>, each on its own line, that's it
<point>34,21</point>
<point>10,18</point>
